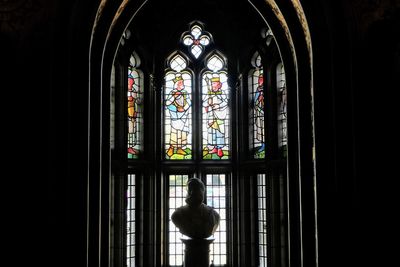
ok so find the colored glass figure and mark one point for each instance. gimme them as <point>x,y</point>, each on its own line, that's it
<point>258,101</point>
<point>134,109</point>
<point>257,108</point>
<point>196,41</point>
<point>178,118</point>
<point>216,112</point>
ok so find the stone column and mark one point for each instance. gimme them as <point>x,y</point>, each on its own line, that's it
<point>197,252</point>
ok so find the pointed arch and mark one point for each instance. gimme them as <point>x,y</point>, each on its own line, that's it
<point>102,51</point>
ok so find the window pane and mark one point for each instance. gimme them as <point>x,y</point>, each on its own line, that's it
<point>131,221</point>
<point>178,115</point>
<point>262,219</point>
<point>135,108</point>
<point>216,113</point>
<point>196,31</point>
<point>178,63</point>
<point>257,125</point>
<point>188,40</point>
<point>196,50</point>
<point>196,40</point>
<point>177,195</point>
<point>216,197</point>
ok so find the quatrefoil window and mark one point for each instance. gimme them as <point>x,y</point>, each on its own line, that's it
<point>196,40</point>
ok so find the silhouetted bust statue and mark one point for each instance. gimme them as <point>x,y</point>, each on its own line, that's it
<point>196,219</point>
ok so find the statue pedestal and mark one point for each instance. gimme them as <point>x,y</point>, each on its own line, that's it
<point>197,252</point>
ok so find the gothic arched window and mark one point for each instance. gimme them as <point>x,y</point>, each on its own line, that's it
<point>182,118</point>
<point>135,108</point>
<point>257,106</point>
<point>184,102</point>
<point>196,106</point>
<point>178,110</point>
<point>216,114</point>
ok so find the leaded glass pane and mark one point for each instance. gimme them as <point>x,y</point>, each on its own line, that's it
<point>177,194</point>
<point>196,31</point>
<point>204,40</point>
<point>196,50</point>
<point>187,40</point>
<point>215,63</point>
<point>178,63</point>
<point>135,108</point>
<point>216,198</point>
<point>262,219</point>
<point>131,221</point>
<point>216,116</point>
<point>257,108</point>
<point>178,115</point>
<point>196,40</point>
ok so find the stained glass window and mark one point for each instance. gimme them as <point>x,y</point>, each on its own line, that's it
<point>178,111</point>
<point>196,127</point>
<point>257,107</point>
<point>189,113</point>
<point>135,107</point>
<point>282,125</point>
<point>196,40</point>
<point>215,97</point>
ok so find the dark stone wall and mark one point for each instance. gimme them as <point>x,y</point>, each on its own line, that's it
<point>44,117</point>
